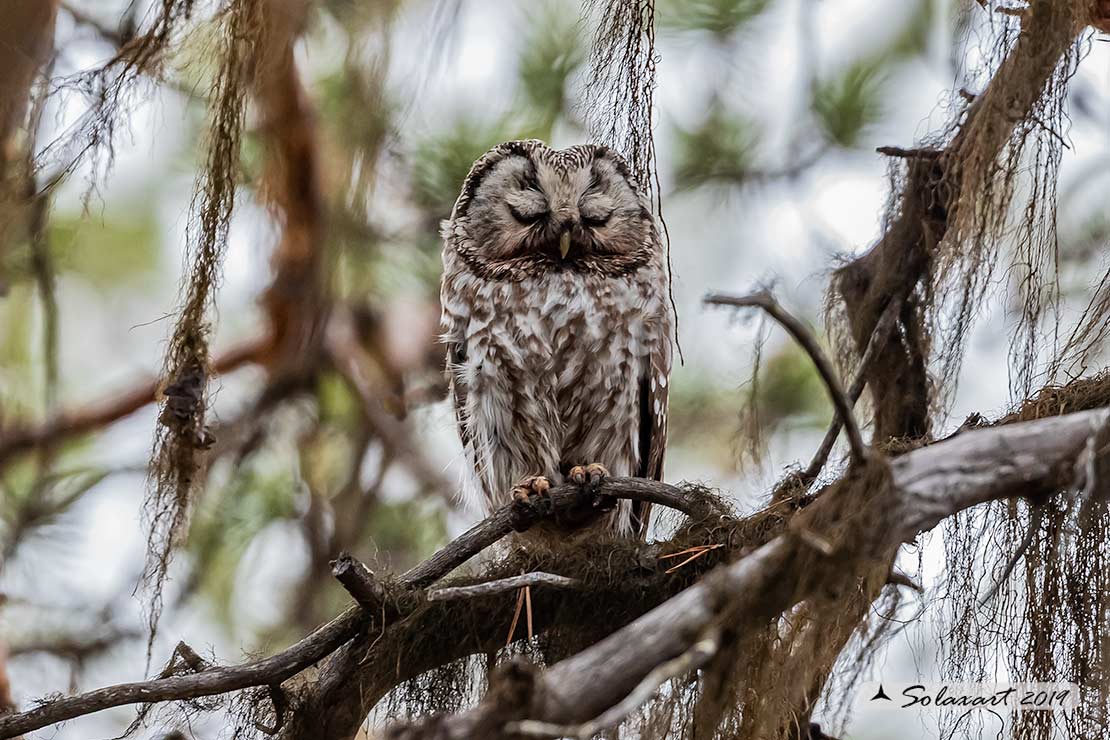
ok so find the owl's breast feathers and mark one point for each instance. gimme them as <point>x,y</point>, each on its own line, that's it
<point>559,369</point>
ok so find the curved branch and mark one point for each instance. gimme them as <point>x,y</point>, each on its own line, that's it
<point>216,680</point>
<point>562,498</point>
<point>696,657</point>
<point>859,382</point>
<point>804,337</point>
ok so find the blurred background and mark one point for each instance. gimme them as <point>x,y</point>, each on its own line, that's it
<point>768,115</point>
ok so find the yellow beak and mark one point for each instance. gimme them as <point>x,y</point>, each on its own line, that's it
<point>564,244</point>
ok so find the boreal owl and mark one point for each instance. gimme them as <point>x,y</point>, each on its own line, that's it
<point>557,324</point>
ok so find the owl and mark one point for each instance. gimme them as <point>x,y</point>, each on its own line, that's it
<point>557,324</point>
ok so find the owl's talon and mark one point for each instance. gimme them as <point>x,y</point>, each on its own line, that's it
<point>533,485</point>
<point>530,501</point>
<point>588,478</point>
<point>590,475</point>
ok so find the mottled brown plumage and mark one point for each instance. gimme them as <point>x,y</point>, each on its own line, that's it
<point>557,322</point>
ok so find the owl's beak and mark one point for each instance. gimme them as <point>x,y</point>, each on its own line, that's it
<point>564,244</point>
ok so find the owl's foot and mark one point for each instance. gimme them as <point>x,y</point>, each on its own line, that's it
<point>588,478</point>
<point>530,501</point>
<point>588,475</point>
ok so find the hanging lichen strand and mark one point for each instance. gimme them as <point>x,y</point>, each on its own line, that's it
<point>620,84</point>
<point>619,99</point>
<point>1004,185</point>
<point>109,89</point>
<point>181,437</point>
<point>1049,624</point>
<point>1047,621</point>
<point>961,203</point>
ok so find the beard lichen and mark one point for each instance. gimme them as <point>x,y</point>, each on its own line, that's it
<point>1044,621</point>
<point>957,203</point>
<point>181,438</point>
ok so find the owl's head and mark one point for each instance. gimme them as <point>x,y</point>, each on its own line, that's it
<point>526,207</point>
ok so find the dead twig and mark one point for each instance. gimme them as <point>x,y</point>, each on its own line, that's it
<point>215,680</point>
<point>478,590</point>
<point>360,582</point>
<point>878,338</point>
<point>897,578</point>
<point>912,153</point>
<point>805,338</point>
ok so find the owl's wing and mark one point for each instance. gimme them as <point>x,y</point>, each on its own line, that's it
<point>653,432</point>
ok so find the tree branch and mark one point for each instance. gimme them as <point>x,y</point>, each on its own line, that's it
<point>359,582</point>
<point>536,578</point>
<point>696,657</point>
<point>216,680</point>
<point>804,337</point>
<point>859,382</point>
<point>561,498</point>
<point>328,638</point>
<point>69,424</point>
<point>903,256</point>
<point>929,484</point>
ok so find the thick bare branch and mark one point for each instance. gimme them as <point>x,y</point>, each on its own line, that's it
<point>980,465</point>
<point>696,657</point>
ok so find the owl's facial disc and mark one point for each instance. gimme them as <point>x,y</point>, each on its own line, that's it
<point>540,205</point>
